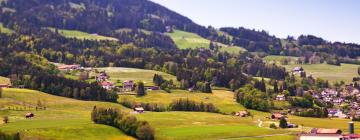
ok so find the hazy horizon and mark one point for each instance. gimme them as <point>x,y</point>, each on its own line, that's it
<point>332,20</point>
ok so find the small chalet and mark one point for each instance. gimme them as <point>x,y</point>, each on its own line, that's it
<point>107,85</point>
<point>280,97</point>
<point>242,113</point>
<point>139,110</point>
<point>128,85</point>
<point>325,131</point>
<point>29,115</point>
<point>102,77</point>
<point>297,70</point>
<point>277,116</point>
<point>69,67</point>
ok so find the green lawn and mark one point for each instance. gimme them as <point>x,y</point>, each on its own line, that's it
<point>5,30</point>
<point>82,35</point>
<point>333,73</point>
<point>63,119</point>
<point>123,74</point>
<point>187,40</point>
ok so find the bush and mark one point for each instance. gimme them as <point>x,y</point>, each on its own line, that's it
<point>273,126</point>
<point>145,131</point>
<point>283,123</point>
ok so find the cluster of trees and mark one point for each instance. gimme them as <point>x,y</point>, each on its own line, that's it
<point>147,106</point>
<point>319,112</point>
<point>128,124</point>
<point>252,98</point>
<point>189,105</point>
<point>5,136</point>
<point>61,86</point>
<point>265,70</point>
<point>163,83</point>
<point>140,89</point>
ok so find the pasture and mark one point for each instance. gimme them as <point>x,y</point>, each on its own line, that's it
<point>187,40</point>
<point>123,74</point>
<point>81,35</point>
<point>200,125</point>
<point>333,73</point>
<point>220,98</point>
<point>63,118</point>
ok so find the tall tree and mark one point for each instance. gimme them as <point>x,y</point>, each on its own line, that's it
<point>276,88</point>
<point>140,89</point>
<point>283,123</point>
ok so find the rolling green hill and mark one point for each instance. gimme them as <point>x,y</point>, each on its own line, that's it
<point>123,74</point>
<point>186,40</point>
<point>63,118</point>
<point>82,35</point>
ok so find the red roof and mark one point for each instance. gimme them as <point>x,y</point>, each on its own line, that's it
<point>106,84</point>
<point>328,131</point>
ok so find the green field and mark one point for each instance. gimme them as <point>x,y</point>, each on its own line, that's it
<point>198,125</point>
<point>63,119</point>
<point>4,80</point>
<point>221,98</point>
<point>81,35</point>
<point>5,30</point>
<point>333,73</point>
<point>123,74</point>
<point>186,40</point>
<point>276,59</point>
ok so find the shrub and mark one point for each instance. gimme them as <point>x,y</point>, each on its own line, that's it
<point>145,131</point>
<point>273,126</point>
<point>283,123</point>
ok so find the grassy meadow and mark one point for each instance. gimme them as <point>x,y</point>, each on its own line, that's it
<point>123,74</point>
<point>186,40</point>
<point>82,35</point>
<point>333,73</point>
<point>64,118</point>
<point>4,80</point>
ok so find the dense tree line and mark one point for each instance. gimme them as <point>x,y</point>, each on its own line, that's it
<point>252,98</point>
<point>128,124</point>
<point>189,105</point>
<point>5,136</point>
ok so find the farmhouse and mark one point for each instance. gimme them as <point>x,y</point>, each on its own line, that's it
<point>107,85</point>
<point>277,116</point>
<point>128,85</point>
<point>4,85</point>
<point>139,110</point>
<point>242,113</point>
<point>102,77</point>
<point>69,67</point>
<point>297,69</point>
<point>280,97</point>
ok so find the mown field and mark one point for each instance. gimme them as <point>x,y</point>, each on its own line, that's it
<point>123,74</point>
<point>4,29</point>
<point>186,40</point>
<point>81,35</point>
<point>63,119</point>
<point>333,73</point>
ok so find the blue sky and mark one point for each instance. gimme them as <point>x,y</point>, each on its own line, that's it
<point>334,20</point>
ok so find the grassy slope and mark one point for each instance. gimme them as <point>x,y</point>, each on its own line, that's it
<point>63,119</point>
<point>122,74</point>
<point>82,35</point>
<point>5,30</point>
<point>4,80</point>
<point>185,40</point>
<point>221,98</point>
<point>333,73</point>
